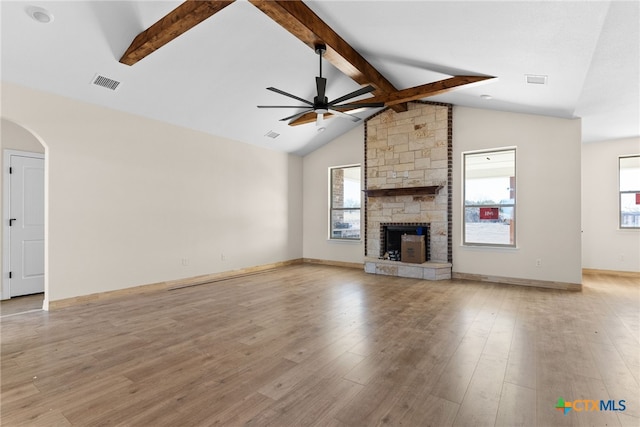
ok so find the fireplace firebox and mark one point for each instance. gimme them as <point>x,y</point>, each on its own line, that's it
<point>391,236</point>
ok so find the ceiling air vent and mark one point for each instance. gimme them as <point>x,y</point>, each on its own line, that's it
<point>272,134</point>
<point>533,79</point>
<point>103,81</point>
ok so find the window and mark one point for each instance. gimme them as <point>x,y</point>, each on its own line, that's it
<point>344,182</point>
<point>629,168</point>
<point>489,198</point>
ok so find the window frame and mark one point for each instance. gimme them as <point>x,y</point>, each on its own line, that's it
<point>330,228</point>
<point>513,205</point>
<point>621,226</point>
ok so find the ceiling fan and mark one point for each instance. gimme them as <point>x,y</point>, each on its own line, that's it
<point>295,17</point>
<point>321,105</point>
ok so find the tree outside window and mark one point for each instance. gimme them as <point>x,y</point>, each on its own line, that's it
<point>346,195</point>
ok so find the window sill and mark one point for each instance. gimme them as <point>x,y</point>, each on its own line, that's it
<point>492,248</point>
<point>346,241</point>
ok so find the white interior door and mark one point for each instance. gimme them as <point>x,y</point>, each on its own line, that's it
<point>27,225</point>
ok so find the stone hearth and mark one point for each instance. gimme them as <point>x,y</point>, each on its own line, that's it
<point>425,271</point>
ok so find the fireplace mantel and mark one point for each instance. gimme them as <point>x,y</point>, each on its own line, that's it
<point>405,191</point>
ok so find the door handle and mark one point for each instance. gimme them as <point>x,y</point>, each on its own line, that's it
<point>11,221</point>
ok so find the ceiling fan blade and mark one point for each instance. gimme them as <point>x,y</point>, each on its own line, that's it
<point>353,94</point>
<point>345,115</point>
<point>407,95</point>
<point>361,105</point>
<point>295,116</point>
<point>321,85</point>
<point>281,92</point>
<point>282,106</point>
<point>178,21</point>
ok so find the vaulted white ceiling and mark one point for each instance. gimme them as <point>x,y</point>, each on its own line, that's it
<point>212,77</point>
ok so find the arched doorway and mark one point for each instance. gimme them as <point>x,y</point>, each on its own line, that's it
<point>24,215</point>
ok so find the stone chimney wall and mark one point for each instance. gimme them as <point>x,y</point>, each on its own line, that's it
<point>410,149</point>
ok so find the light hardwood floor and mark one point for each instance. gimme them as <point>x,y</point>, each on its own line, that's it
<point>328,346</point>
<point>22,304</point>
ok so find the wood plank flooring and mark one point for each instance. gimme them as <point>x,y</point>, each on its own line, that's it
<point>22,304</point>
<point>328,346</point>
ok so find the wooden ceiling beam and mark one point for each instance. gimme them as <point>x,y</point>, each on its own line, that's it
<point>178,21</point>
<point>406,95</point>
<point>296,17</point>
<point>431,89</point>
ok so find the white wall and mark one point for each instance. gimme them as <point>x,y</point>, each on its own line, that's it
<point>604,245</point>
<point>129,198</point>
<point>344,150</point>
<point>548,194</point>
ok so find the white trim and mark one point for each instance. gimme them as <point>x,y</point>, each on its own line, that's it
<point>620,227</point>
<point>463,189</point>
<point>484,248</point>
<point>6,214</point>
<point>346,241</point>
<point>330,202</point>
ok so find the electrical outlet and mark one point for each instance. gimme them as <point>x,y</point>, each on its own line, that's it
<point>538,262</point>
<point>621,258</point>
<point>394,174</point>
<point>406,174</point>
<point>185,261</point>
<point>223,257</point>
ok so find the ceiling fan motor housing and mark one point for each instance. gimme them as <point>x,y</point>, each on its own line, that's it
<point>320,107</point>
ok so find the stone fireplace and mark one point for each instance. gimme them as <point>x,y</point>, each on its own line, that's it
<point>408,183</point>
